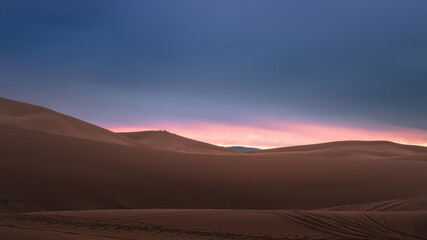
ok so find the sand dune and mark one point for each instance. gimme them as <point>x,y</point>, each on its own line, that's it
<point>23,115</point>
<point>351,148</point>
<point>166,141</point>
<point>52,162</point>
<point>44,171</point>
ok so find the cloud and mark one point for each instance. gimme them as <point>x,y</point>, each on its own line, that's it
<point>280,133</point>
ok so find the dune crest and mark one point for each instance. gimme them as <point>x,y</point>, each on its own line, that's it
<point>166,141</point>
<point>22,115</point>
<point>351,148</point>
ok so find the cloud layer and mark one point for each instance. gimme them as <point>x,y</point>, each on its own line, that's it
<point>279,134</point>
<point>359,64</point>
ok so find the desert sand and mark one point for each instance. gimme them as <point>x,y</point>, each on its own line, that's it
<point>63,178</point>
<point>166,141</point>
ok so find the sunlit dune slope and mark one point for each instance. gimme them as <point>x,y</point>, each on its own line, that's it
<point>171,142</point>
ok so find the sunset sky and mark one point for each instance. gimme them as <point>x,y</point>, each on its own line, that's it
<point>256,73</point>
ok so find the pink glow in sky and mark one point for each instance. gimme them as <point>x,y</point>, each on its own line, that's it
<point>279,134</point>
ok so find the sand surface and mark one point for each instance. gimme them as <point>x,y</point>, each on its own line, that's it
<point>167,141</point>
<point>27,116</point>
<point>215,224</point>
<point>164,186</point>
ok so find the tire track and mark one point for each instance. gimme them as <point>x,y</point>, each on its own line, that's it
<point>361,226</point>
<point>52,222</point>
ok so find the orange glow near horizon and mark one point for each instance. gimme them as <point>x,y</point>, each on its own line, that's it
<point>279,134</point>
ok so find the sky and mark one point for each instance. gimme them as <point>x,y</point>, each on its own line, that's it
<point>263,73</point>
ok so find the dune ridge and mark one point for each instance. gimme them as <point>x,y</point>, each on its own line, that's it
<point>167,141</point>
<point>22,115</point>
<point>382,148</point>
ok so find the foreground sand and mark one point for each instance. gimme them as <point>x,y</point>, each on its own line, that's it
<point>214,224</point>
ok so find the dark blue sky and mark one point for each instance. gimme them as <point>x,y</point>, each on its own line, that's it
<point>359,63</point>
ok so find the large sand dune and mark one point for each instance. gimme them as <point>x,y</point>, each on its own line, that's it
<point>166,141</point>
<point>43,171</point>
<point>52,162</point>
<point>27,116</point>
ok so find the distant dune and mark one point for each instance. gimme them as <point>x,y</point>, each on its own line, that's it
<point>52,162</point>
<point>166,141</point>
<point>380,148</point>
<point>243,149</point>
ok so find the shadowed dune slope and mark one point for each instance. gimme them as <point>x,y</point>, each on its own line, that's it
<point>23,115</point>
<point>166,141</point>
